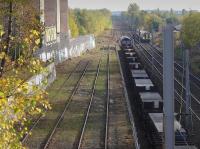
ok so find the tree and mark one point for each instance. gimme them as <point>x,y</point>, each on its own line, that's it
<point>152,21</point>
<point>19,101</point>
<point>184,12</point>
<point>134,14</point>
<point>191,29</point>
<point>73,25</point>
<point>172,20</point>
<point>133,9</point>
<point>171,12</point>
<point>92,21</point>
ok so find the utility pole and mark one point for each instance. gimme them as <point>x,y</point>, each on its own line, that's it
<point>188,117</point>
<point>139,35</point>
<point>58,17</point>
<point>58,20</point>
<point>152,34</point>
<point>42,19</point>
<point>168,88</point>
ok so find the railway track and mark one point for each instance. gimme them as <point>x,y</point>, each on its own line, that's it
<point>72,79</point>
<point>69,132</point>
<point>152,60</point>
<point>49,138</point>
<point>194,78</point>
<point>89,108</point>
<point>105,124</point>
<point>81,118</point>
<point>155,67</point>
<point>35,123</point>
<point>107,101</point>
<point>119,119</point>
<point>96,108</point>
<point>179,70</point>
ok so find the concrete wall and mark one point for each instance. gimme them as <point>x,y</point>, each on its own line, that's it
<point>77,47</point>
<point>49,76</point>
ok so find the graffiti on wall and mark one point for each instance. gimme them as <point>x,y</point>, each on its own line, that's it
<point>50,35</point>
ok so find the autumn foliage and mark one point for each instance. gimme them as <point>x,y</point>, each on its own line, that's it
<point>191,29</point>
<point>20,101</point>
<point>83,21</point>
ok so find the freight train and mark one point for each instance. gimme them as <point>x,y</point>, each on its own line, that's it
<point>125,42</point>
<point>150,105</point>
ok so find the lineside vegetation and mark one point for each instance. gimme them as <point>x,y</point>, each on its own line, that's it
<point>83,21</point>
<point>20,34</point>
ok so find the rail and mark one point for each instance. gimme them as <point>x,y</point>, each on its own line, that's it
<point>176,92</point>
<point>107,101</point>
<point>49,138</point>
<point>89,106</point>
<point>35,123</point>
<point>176,80</point>
<point>178,68</point>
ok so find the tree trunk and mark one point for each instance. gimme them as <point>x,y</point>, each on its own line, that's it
<point>9,28</point>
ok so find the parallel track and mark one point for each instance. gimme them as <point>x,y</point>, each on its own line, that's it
<point>157,67</point>
<point>86,117</point>
<point>195,81</point>
<point>51,134</point>
<point>35,123</point>
<point>158,70</point>
<point>91,103</point>
<point>194,78</point>
<point>107,101</point>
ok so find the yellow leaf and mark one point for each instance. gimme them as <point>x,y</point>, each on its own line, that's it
<point>1,33</point>
<point>26,40</point>
<point>35,32</point>
<point>37,42</point>
<point>1,95</point>
<point>2,55</point>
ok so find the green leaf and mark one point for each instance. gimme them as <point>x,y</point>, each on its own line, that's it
<point>2,95</point>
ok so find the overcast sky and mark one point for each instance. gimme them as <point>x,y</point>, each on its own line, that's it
<point>116,5</point>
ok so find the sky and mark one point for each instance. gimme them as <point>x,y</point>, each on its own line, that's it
<point>121,5</point>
